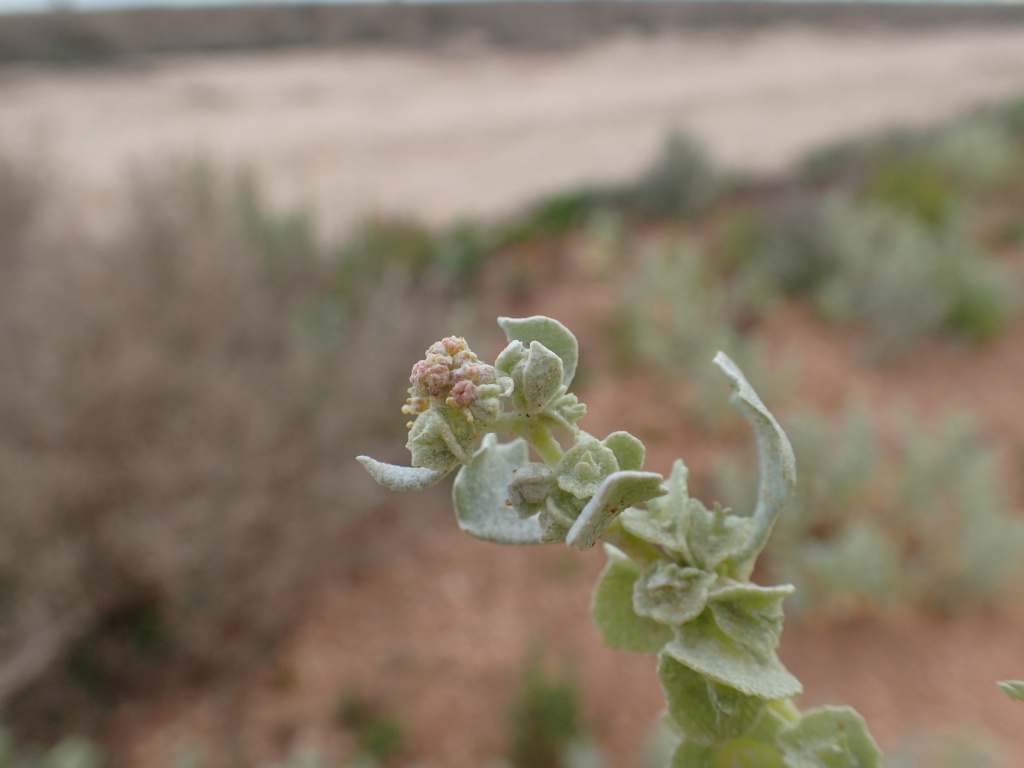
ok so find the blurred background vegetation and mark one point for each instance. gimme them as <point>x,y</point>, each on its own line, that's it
<point>180,399</point>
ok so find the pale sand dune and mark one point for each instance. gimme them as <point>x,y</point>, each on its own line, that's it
<point>478,132</point>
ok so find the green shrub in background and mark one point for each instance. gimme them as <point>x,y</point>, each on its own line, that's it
<point>546,727</point>
<point>70,753</point>
<point>680,182</point>
<point>378,734</point>
<point>174,409</point>
<point>921,519</point>
<point>674,313</point>
<point>871,265</point>
<point>952,749</point>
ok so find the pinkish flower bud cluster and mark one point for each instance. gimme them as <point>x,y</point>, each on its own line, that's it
<point>451,374</point>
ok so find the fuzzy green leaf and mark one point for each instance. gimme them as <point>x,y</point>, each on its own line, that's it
<point>1014,688</point>
<point>619,491</point>
<point>704,648</point>
<point>628,450</point>
<point>585,466</point>
<point>715,534</point>
<point>479,492</point>
<point>542,377</point>
<point>707,712</point>
<point>671,594</point>
<point>549,332</point>
<point>666,520</point>
<point>398,478</point>
<point>830,737</point>
<point>530,488</point>
<point>777,482</point>
<point>612,608</point>
<point>536,375</point>
<point>441,438</point>
<point>750,614</point>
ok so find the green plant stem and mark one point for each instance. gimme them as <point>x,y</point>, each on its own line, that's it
<point>534,431</point>
<point>637,549</point>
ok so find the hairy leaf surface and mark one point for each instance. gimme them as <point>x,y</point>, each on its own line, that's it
<point>480,495</point>
<point>612,608</point>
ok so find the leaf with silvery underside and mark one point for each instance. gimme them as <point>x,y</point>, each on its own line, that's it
<point>398,478</point>
<point>612,608</point>
<point>777,467</point>
<point>479,494</point>
<point>715,534</point>
<point>703,647</point>
<point>671,594</point>
<point>750,614</point>
<point>1013,688</point>
<point>666,520</point>
<point>549,332</point>
<point>619,491</point>
<point>830,737</point>
<point>707,712</point>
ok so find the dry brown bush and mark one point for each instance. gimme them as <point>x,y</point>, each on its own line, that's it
<point>179,406</point>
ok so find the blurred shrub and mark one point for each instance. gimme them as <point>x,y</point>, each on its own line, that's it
<point>552,216</point>
<point>73,752</point>
<point>545,721</point>
<point>952,749</point>
<point>675,313</point>
<point>908,282</point>
<point>680,182</point>
<point>378,734</point>
<point>178,408</point>
<point>869,264</point>
<point>923,520</point>
<point>917,187</point>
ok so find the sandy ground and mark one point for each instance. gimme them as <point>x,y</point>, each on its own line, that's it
<point>478,132</point>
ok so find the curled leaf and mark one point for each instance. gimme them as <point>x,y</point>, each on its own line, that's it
<point>750,614</point>
<point>441,438</point>
<point>671,594</point>
<point>666,520</point>
<point>776,463</point>
<point>549,332</point>
<point>628,450</point>
<point>619,491</point>
<point>585,466</point>
<point>397,478</point>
